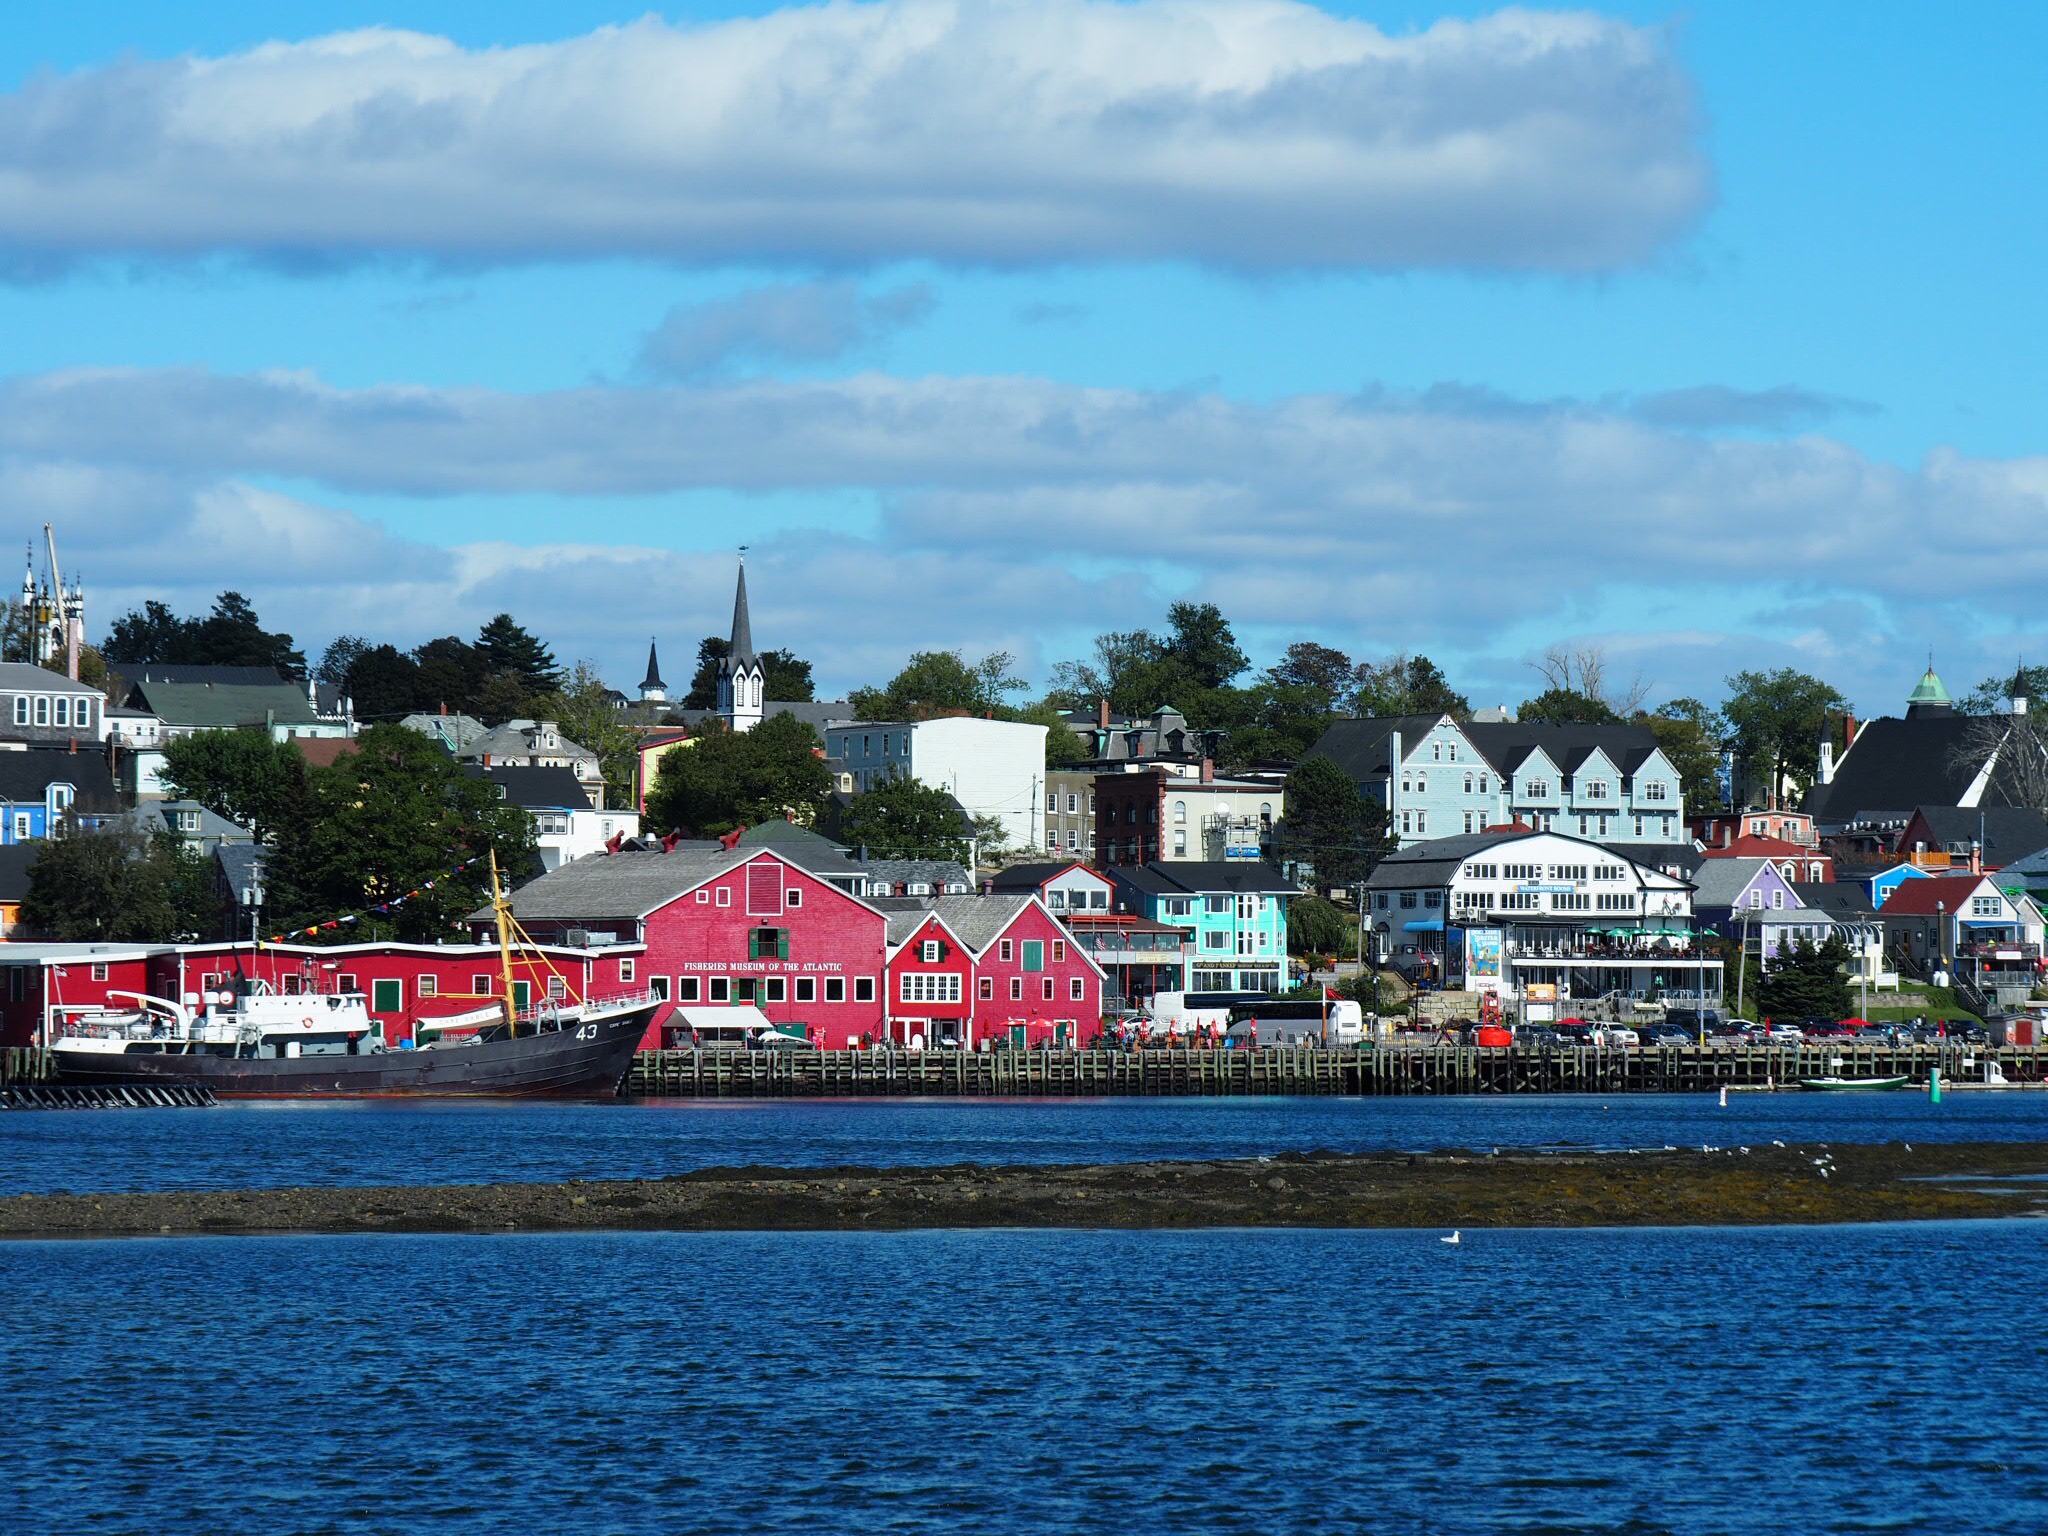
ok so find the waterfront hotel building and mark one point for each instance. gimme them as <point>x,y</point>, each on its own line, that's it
<point>1508,911</point>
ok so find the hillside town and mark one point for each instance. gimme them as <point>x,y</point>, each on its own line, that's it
<point>928,864</point>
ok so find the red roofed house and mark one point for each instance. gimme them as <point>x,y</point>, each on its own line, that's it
<point>1799,863</point>
<point>1963,922</point>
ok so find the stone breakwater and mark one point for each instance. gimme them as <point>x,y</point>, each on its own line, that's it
<point>1700,1186</point>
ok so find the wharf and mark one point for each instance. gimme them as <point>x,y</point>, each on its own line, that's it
<point>1280,1070</point>
<point>25,1064</point>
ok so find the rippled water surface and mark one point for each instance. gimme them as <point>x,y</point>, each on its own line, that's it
<point>386,1141</point>
<point>1876,1379</point>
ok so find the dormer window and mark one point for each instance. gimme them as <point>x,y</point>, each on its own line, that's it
<point>21,709</point>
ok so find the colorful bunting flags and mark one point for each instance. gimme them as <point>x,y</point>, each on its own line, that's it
<point>382,908</point>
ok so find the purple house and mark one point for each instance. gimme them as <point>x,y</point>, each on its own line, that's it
<point>1748,899</point>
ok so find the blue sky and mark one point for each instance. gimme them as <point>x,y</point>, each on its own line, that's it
<point>1736,368</point>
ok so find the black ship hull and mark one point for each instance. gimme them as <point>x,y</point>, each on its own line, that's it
<point>587,1059</point>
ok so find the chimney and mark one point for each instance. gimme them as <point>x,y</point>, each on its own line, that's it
<point>1848,732</point>
<point>1208,770</point>
<point>444,706</point>
<point>1102,713</point>
<point>1976,858</point>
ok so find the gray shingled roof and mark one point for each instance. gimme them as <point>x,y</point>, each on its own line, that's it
<point>535,788</point>
<point>1718,882</point>
<point>976,919</point>
<point>1895,765</point>
<point>23,677</point>
<point>612,886</point>
<point>934,872</point>
<point>229,706</point>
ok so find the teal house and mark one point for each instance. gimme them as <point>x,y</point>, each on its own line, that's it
<point>1236,914</point>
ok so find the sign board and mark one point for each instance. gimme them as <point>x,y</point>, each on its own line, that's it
<point>1482,955</point>
<point>1541,992</point>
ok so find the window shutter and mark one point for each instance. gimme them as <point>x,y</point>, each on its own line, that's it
<point>782,943</point>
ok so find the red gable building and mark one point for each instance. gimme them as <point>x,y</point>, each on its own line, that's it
<point>970,970</point>
<point>744,926</point>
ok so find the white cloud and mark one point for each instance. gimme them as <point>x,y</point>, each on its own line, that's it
<point>1025,514</point>
<point>1259,134</point>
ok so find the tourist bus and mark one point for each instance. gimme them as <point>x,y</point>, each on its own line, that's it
<point>1297,1021</point>
<point>1184,1012</point>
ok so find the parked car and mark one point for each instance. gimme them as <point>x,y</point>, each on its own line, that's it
<point>1694,1021</point>
<point>1784,1034</point>
<point>1668,1034</point>
<point>1618,1034</point>
<point>1575,1032</point>
<point>1826,1029</point>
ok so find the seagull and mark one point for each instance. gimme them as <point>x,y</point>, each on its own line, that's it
<point>1453,1238</point>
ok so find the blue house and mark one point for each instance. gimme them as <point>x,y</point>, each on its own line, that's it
<point>1235,914</point>
<point>39,787</point>
<point>1440,778</point>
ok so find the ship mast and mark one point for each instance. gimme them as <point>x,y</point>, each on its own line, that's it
<point>501,909</point>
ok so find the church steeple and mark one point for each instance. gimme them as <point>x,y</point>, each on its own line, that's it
<point>741,677</point>
<point>652,689</point>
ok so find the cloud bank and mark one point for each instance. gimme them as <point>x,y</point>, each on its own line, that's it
<point>791,322</point>
<point>1010,509</point>
<point>1254,134</point>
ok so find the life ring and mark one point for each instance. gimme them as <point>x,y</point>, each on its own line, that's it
<point>307,1021</point>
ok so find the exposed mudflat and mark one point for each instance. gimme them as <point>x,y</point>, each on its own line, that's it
<point>1537,1188</point>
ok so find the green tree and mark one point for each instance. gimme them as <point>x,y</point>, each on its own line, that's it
<point>230,636</point>
<point>1063,748</point>
<point>1777,719</point>
<point>378,825</point>
<point>785,676</point>
<point>1690,735</point>
<point>502,696</point>
<point>1319,927</point>
<point>1330,825</point>
<point>342,653</point>
<point>242,775</point>
<point>1324,678</point>
<point>1808,983</point>
<point>506,647</point>
<point>1406,685</point>
<point>1563,706</point>
<point>104,886</point>
<point>386,684</point>
<point>451,671</point>
<point>934,683</point>
<point>901,818</point>
<point>1989,697</point>
<point>1201,644</point>
<point>726,779</point>
<point>584,710</point>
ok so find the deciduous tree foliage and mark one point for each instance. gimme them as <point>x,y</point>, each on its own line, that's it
<point>935,683</point>
<point>786,677</point>
<point>1690,735</point>
<point>725,779</point>
<point>1777,719</point>
<point>115,886</point>
<point>1565,706</point>
<point>380,823</point>
<point>242,775</point>
<point>1318,927</point>
<point>901,818</point>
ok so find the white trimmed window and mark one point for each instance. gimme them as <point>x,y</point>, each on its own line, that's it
<point>426,984</point>
<point>928,952</point>
<point>688,989</point>
<point>835,989</point>
<point>929,987</point>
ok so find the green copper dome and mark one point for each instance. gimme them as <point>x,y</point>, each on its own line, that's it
<point>1928,691</point>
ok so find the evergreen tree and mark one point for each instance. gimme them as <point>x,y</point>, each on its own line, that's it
<point>1807,983</point>
<point>506,647</point>
<point>386,684</point>
<point>450,673</point>
<point>230,636</point>
<point>1330,825</point>
<point>342,653</point>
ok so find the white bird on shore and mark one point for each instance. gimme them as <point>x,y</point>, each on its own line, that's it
<point>1455,1237</point>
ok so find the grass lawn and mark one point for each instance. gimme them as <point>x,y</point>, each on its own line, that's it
<point>1941,1004</point>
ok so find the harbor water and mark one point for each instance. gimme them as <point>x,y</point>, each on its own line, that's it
<point>256,1144</point>
<point>1822,1380</point>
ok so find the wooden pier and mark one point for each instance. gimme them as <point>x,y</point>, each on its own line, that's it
<point>1278,1070</point>
<point>24,1064</point>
